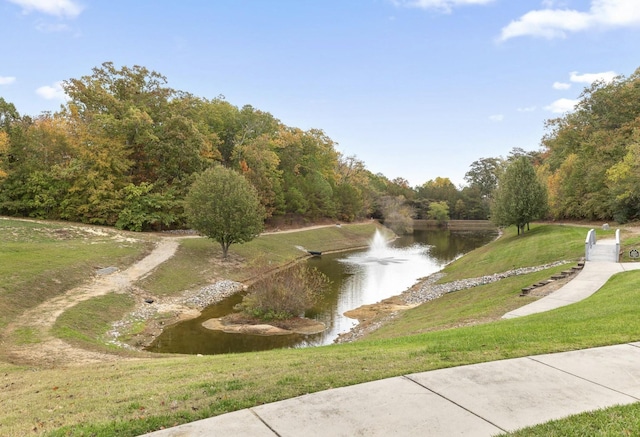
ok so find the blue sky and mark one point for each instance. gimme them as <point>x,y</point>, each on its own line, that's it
<point>417,89</point>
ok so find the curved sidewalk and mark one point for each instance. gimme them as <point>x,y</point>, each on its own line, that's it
<point>477,400</point>
<point>589,280</point>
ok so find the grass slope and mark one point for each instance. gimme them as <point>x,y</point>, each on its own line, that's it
<point>136,396</point>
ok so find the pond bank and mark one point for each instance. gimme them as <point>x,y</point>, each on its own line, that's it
<point>158,322</point>
<point>153,314</point>
<point>371,317</point>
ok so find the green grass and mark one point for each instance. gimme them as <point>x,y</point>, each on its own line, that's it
<point>131,397</point>
<point>631,242</point>
<point>610,422</point>
<point>541,245</point>
<point>39,261</point>
<point>87,322</point>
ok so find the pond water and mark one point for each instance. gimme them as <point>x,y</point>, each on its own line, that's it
<point>358,278</point>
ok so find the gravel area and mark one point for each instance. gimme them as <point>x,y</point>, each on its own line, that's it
<point>192,300</point>
<point>210,294</point>
<point>429,290</point>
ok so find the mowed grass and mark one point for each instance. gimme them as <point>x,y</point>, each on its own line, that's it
<point>617,421</point>
<point>41,260</point>
<point>131,397</point>
<point>198,261</point>
<point>541,245</point>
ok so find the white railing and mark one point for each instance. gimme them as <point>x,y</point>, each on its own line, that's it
<point>588,244</point>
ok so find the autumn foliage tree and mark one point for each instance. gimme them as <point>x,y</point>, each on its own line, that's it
<point>590,155</point>
<point>126,147</point>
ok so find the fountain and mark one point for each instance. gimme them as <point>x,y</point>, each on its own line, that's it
<point>379,253</point>
<point>359,278</point>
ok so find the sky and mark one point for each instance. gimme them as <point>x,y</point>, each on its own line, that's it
<point>416,89</point>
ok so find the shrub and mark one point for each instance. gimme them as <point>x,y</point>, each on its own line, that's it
<point>286,295</point>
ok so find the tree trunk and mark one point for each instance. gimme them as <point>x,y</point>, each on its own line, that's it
<point>225,249</point>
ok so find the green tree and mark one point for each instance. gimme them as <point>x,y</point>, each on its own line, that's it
<point>439,190</point>
<point>144,209</point>
<point>258,162</point>
<point>624,182</point>
<point>439,211</point>
<point>435,190</point>
<point>225,207</point>
<point>520,196</point>
<point>483,174</point>
<point>587,153</point>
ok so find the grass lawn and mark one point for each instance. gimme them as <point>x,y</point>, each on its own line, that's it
<point>199,260</point>
<point>131,397</point>
<point>39,261</point>
<point>610,422</point>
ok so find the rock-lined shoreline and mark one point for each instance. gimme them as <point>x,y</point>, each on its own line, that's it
<point>429,290</point>
<point>425,291</point>
<point>185,307</point>
<point>190,304</point>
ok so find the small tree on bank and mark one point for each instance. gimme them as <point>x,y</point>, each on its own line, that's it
<point>520,196</point>
<point>225,207</point>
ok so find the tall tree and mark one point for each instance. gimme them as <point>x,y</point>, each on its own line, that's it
<point>437,190</point>
<point>483,174</point>
<point>225,207</point>
<point>520,197</point>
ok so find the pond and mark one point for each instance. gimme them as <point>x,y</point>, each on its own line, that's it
<point>358,278</point>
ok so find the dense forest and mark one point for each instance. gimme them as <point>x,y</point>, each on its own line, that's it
<point>125,149</point>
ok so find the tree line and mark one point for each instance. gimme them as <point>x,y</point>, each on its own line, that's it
<point>587,168</point>
<point>125,149</point>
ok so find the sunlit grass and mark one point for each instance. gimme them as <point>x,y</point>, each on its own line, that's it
<point>131,397</point>
<point>616,421</point>
<point>39,261</point>
<point>199,260</point>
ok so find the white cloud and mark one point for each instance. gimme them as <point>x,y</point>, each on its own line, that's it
<point>561,86</point>
<point>442,5</point>
<point>51,28</point>
<point>561,106</point>
<point>527,109</point>
<point>54,92</point>
<point>496,118</point>
<point>58,8</point>
<point>6,80</point>
<point>590,78</point>
<point>556,23</point>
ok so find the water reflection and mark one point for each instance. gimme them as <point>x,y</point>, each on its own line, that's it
<point>358,278</point>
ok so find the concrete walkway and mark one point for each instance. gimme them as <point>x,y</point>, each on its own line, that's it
<point>477,400</point>
<point>587,281</point>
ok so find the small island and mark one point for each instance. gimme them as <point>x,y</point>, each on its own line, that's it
<point>239,323</point>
